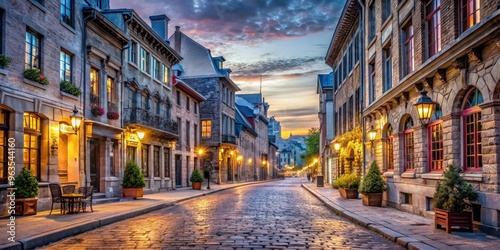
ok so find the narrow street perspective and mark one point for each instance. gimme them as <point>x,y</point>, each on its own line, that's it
<point>271,215</point>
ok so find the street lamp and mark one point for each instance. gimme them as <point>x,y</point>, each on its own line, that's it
<point>76,120</point>
<point>200,153</point>
<point>425,106</point>
<point>140,134</point>
<point>336,146</point>
<point>372,134</point>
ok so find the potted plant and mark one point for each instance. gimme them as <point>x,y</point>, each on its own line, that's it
<point>112,115</point>
<point>372,186</point>
<point>70,88</point>
<point>133,180</point>
<point>5,61</point>
<point>452,201</point>
<point>26,191</point>
<point>97,111</point>
<point>196,179</point>
<point>348,185</point>
<point>36,76</point>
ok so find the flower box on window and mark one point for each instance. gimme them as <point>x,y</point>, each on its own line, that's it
<point>36,76</point>
<point>112,115</point>
<point>68,87</point>
<point>97,111</point>
<point>4,61</point>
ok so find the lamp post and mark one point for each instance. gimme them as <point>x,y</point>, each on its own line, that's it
<point>336,146</point>
<point>372,134</point>
<point>425,106</point>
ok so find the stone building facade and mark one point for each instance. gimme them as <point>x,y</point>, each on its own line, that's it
<point>451,50</point>
<point>148,98</point>
<point>102,73</point>
<point>346,59</point>
<point>324,89</point>
<point>37,35</point>
<point>208,77</point>
<point>187,113</point>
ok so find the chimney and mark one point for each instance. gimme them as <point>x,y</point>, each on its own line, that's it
<point>177,39</point>
<point>159,23</point>
<point>102,4</point>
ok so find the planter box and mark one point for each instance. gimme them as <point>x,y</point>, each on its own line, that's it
<point>26,206</point>
<point>133,192</point>
<point>452,219</point>
<point>196,185</point>
<point>372,199</point>
<point>349,193</point>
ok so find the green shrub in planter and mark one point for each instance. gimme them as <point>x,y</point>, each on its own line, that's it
<point>5,61</point>
<point>133,177</point>
<point>196,176</point>
<point>373,182</point>
<point>453,193</point>
<point>68,87</point>
<point>26,184</point>
<point>350,181</point>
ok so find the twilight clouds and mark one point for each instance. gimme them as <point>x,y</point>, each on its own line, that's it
<point>282,42</point>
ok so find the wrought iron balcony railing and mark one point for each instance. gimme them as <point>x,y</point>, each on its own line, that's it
<point>146,118</point>
<point>229,139</point>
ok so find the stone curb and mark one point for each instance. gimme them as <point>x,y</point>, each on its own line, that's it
<point>45,238</point>
<point>394,236</point>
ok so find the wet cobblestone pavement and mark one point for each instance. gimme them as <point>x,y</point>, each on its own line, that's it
<point>272,215</point>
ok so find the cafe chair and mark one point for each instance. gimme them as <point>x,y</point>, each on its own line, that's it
<point>87,197</point>
<point>68,189</point>
<point>55,191</point>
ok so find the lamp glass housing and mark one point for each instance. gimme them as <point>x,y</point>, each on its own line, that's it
<point>336,146</point>
<point>372,134</point>
<point>76,120</point>
<point>425,107</point>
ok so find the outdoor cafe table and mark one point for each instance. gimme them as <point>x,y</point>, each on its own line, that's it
<point>73,201</point>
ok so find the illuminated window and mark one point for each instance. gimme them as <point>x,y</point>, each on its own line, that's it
<point>433,19</point>
<point>145,160</point>
<point>156,161</point>
<point>32,144</point>
<point>110,90</point>
<point>67,12</point>
<point>389,153</point>
<point>4,152</point>
<point>409,147</point>
<point>94,87</point>
<point>206,128</point>
<point>166,74</point>
<point>470,13</point>
<point>166,162</point>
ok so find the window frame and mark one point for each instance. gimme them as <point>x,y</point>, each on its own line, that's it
<point>409,149</point>
<point>372,81</point>
<point>32,132</point>
<point>132,56</point>
<point>372,13</point>
<point>206,128</point>
<point>475,113</point>
<point>145,60</point>
<point>32,43</point>
<point>387,67</point>
<point>408,49</point>
<point>68,60</point>
<point>435,147</point>
<point>145,159</point>
<point>465,15</point>
<point>389,150</point>
<point>386,10</point>
<point>433,27</point>
<point>67,10</point>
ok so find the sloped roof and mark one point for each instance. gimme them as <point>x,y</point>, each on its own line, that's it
<point>251,98</point>
<point>345,24</point>
<point>245,107</point>
<point>197,60</point>
<point>241,120</point>
<point>325,81</point>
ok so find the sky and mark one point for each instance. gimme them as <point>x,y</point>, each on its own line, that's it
<point>282,42</point>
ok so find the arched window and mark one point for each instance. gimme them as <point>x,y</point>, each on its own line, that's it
<point>435,130</point>
<point>4,129</point>
<point>409,148</point>
<point>471,118</point>
<point>31,149</point>
<point>389,153</point>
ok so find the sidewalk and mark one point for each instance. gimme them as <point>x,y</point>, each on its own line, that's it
<point>408,230</point>
<point>42,228</point>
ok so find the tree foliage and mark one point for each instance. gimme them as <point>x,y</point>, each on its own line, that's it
<point>454,193</point>
<point>312,144</point>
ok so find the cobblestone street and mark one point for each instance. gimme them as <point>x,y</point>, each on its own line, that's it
<point>272,215</point>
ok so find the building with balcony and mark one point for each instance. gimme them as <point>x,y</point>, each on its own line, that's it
<point>451,50</point>
<point>151,128</point>
<point>208,77</point>
<point>345,57</point>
